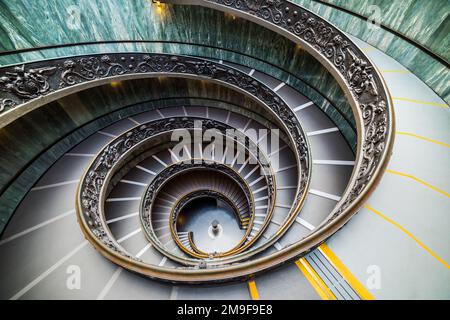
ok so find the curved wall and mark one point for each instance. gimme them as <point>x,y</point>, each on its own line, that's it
<point>178,29</point>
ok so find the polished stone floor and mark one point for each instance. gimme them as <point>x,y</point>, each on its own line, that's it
<point>199,215</point>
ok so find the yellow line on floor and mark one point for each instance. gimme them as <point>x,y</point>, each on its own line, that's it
<point>442,105</point>
<point>254,294</point>
<point>345,273</point>
<point>423,138</point>
<point>368,49</point>
<point>315,280</point>
<point>409,234</point>
<point>396,71</point>
<point>426,184</point>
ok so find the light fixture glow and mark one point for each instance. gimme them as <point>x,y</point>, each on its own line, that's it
<point>159,7</point>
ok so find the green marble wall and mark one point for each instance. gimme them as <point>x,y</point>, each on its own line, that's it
<point>425,21</point>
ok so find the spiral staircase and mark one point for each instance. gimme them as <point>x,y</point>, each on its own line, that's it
<point>256,202</point>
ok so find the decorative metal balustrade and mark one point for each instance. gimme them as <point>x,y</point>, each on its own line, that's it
<point>27,87</point>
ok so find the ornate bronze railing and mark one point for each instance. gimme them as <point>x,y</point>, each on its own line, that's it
<point>27,87</point>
